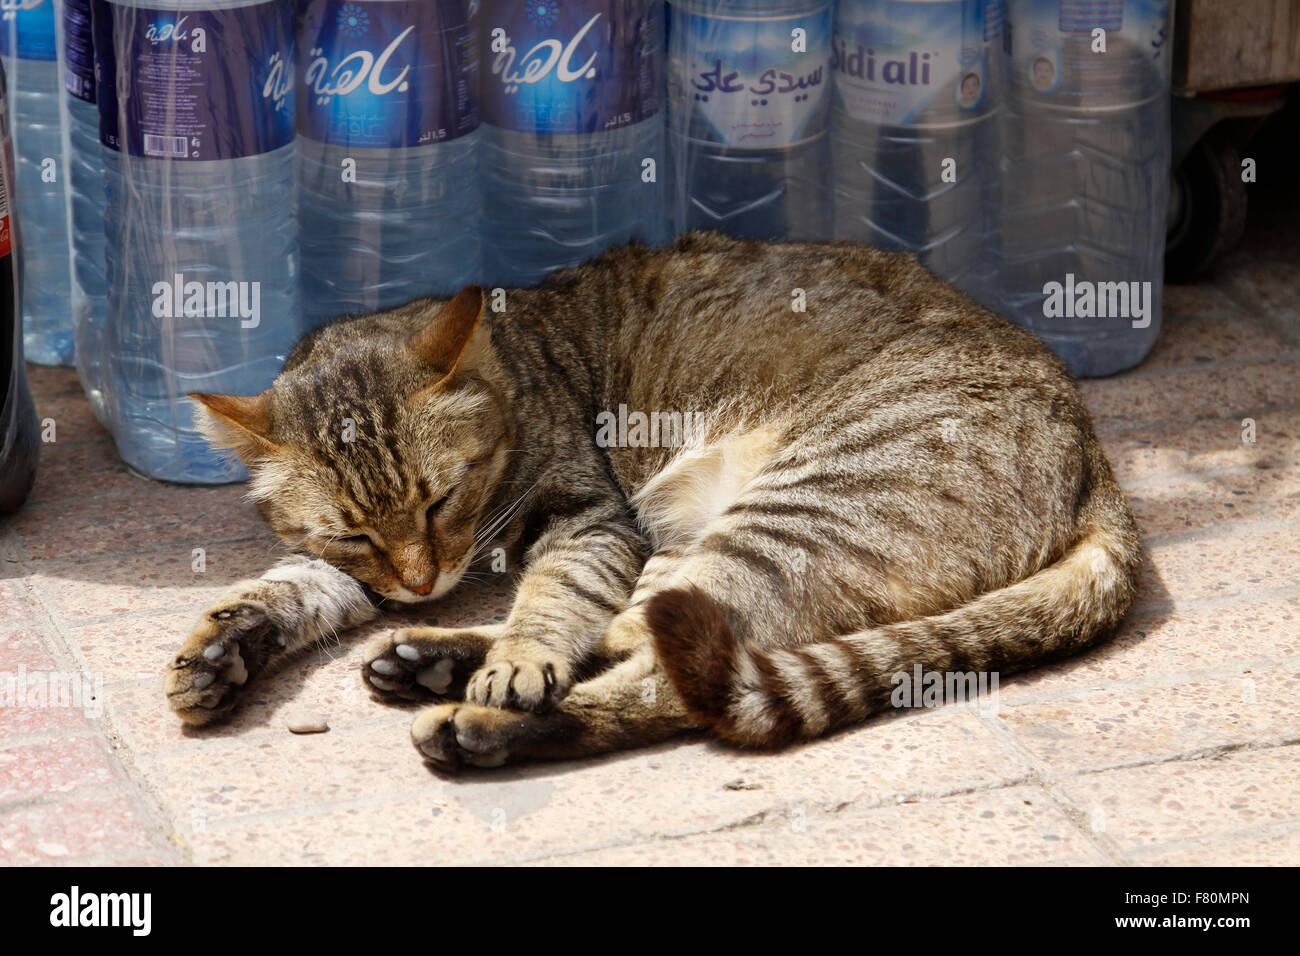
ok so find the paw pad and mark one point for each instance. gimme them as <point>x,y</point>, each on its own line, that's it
<point>418,664</point>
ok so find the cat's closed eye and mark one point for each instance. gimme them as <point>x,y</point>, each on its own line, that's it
<point>432,511</point>
<point>359,540</point>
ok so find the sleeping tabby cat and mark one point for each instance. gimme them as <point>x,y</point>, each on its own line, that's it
<point>891,476</point>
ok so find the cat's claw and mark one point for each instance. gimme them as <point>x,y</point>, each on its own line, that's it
<point>422,663</point>
<point>228,649</point>
<point>522,684</point>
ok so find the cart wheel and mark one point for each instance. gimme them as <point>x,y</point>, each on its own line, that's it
<point>1207,207</point>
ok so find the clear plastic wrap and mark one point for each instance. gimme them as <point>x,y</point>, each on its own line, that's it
<point>86,199</point>
<point>749,94</point>
<point>915,131</point>
<point>268,165</point>
<point>1086,134</point>
<point>572,96</point>
<point>196,104</point>
<point>29,50</point>
<point>388,152</point>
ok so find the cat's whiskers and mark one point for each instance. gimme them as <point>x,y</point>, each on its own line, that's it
<point>485,537</point>
<point>495,514</point>
<point>495,522</point>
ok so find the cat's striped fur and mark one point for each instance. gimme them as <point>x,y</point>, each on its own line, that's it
<point>892,477</point>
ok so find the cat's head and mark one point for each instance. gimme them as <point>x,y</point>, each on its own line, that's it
<point>379,446</point>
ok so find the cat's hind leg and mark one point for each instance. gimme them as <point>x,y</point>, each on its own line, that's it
<point>632,704</point>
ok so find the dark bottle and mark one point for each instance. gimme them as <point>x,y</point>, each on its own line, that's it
<point>19,443</point>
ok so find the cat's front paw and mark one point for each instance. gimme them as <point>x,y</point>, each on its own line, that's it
<point>422,663</point>
<point>533,682</point>
<point>226,651</point>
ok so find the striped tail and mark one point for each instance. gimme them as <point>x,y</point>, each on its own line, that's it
<point>771,697</point>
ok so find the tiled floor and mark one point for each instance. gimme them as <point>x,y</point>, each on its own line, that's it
<point>1177,742</point>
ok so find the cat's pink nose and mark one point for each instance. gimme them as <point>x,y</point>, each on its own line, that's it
<point>422,589</point>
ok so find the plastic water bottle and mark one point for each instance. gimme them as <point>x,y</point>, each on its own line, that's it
<point>749,93</point>
<point>572,149</point>
<point>1086,176</point>
<point>86,199</point>
<point>387,152</point>
<point>196,103</point>
<point>915,132</point>
<point>27,45</point>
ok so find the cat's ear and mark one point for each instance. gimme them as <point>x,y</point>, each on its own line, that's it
<point>239,422</point>
<point>455,339</point>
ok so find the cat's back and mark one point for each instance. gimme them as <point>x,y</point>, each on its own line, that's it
<point>760,312</point>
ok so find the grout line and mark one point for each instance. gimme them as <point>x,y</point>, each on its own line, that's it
<point>757,819</point>
<point>754,819</point>
<point>18,804</point>
<point>91,793</point>
<point>1100,841</point>
<point>752,822</point>
<point>1276,742</point>
<point>1230,286</point>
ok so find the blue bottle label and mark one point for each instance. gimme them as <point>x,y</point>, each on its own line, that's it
<point>1041,28</point>
<point>388,75</point>
<point>756,82</point>
<point>570,66</point>
<point>906,63</point>
<point>195,84</point>
<point>27,26</point>
<point>79,53</point>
